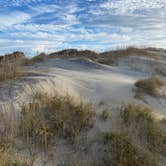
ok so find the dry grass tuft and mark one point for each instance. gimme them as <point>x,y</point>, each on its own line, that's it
<point>8,156</point>
<point>11,70</point>
<point>104,114</point>
<point>141,124</point>
<point>36,59</point>
<point>134,113</point>
<point>163,120</point>
<point>122,151</point>
<point>140,139</point>
<point>47,117</point>
<point>150,85</point>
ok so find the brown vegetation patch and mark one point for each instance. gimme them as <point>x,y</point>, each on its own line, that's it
<point>36,59</point>
<point>150,85</point>
<point>47,117</point>
<point>11,67</point>
<point>141,123</point>
<point>122,151</point>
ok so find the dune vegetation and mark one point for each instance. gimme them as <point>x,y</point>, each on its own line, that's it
<point>10,70</point>
<point>47,117</point>
<point>140,139</point>
<point>150,85</point>
<point>12,67</point>
<point>99,135</point>
<point>36,59</point>
<point>39,123</point>
<point>140,121</point>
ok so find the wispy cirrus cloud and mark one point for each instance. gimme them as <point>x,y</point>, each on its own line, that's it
<point>47,25</point>
<point>18,2</point>
<point>13,18</point>
<point>129,6</point>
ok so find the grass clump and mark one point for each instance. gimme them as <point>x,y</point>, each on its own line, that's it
<point>47,117</point>
<point>163,120</point>
<point>141,124</point>
<point>104,114</point>
<point>121,150</point>
<point>135,113</point>
<point>36,59</point>
<point>8,156</point>
<point>10,70</point>
<point>149,85</point>
<point>140,139</point>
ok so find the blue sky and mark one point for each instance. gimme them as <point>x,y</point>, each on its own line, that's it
<point>50,25</point>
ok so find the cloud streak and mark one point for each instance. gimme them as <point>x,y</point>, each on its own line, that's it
<point>14,18</point>
<point>129,6</point>
<point>47,25</point>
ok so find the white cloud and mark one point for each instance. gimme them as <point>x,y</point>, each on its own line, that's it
<point>37,36</point>
<point>129,6</point>
<point>98,25</point>
<point>40,48</point>
<point>44,8</point>
<point>10,19</point>
<point>102,37</point>
<point>71,19</point>
<point>40,27</point>
<point>18,2</point>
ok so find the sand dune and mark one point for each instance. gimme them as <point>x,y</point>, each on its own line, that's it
<point>103,85</point>
<point>80,78</point>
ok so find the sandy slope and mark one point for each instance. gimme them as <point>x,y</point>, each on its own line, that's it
<point>95,82</point>
<point>83,79</point>
<point>79,78</point>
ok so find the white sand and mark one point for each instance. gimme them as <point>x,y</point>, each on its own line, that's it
<point>82,79</point>
<point>79,78</point>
